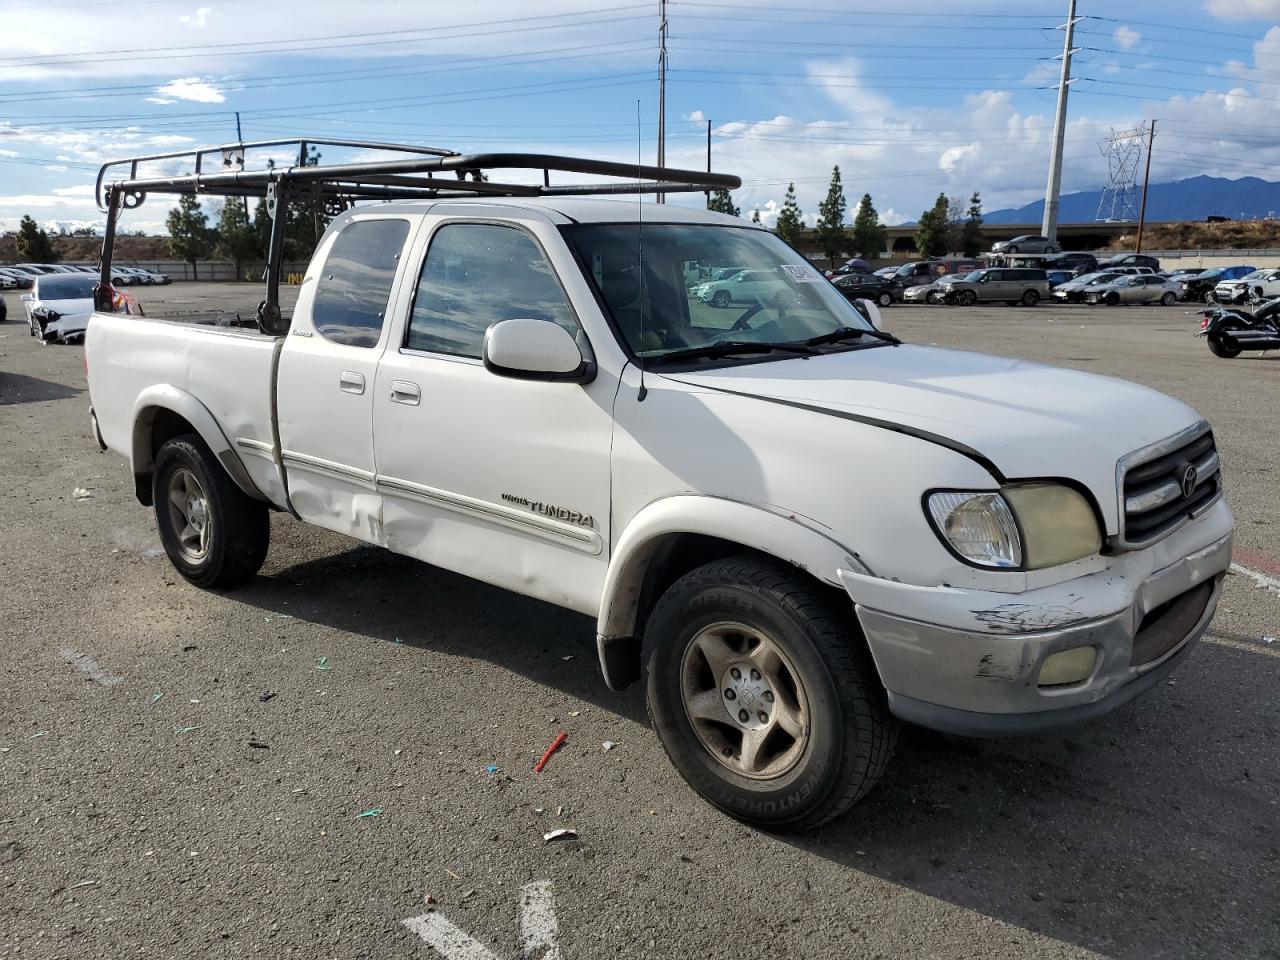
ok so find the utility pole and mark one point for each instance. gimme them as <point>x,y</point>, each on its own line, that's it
<point>662,89</point>
<point>1146,182</point>
<point>708,192</point>
<point>1050,226</point>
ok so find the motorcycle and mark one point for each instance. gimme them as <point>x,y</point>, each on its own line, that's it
<point>1231,331</point>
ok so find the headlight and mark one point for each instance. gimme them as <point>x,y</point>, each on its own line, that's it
<point>1023,527</point>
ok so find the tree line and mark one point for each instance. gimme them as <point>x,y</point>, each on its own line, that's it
<point>949,226</point>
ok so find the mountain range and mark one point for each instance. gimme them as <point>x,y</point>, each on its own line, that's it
<point>1195,198</point>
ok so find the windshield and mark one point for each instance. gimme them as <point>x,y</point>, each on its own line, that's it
<point>65,286</point>
<point>773,296</point>
<point>1256,275</point>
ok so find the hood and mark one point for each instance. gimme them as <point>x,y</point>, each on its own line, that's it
<point>72,308</point>
<point>1025,419</point>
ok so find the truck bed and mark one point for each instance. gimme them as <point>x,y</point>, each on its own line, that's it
<point>230,369</point>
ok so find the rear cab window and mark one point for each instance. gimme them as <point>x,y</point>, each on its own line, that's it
<point>351,300</point>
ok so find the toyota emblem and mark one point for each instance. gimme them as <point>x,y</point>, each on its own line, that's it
<point>1189,480</point>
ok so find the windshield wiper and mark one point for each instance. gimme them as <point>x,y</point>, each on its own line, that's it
<point>851,333</point>
<point>729,348</point>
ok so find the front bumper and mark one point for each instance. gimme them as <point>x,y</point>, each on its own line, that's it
<point>968,661</point>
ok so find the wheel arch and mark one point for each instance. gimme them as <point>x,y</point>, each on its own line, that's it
<point>677,534</point>
<point>162,412</point>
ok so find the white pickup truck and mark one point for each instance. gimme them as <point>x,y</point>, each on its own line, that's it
<point>798,530</point>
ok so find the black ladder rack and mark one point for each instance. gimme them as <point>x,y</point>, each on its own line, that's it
<point>415,173</point>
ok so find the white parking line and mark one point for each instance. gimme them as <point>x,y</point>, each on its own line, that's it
<point>1261,579</point>
<point>539,929</point>
<point>89,667</point>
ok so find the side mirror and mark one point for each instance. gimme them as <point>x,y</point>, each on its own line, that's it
<point>535,350</point>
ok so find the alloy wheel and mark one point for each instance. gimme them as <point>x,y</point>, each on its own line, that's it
<point>745,700</point>
<point>189,514</point>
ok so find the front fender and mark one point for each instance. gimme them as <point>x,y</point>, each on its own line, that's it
<point>167,397</point>
<point>772,531</point>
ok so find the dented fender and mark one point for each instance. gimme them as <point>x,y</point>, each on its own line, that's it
<point>774,531</point>
<point>159,397</point>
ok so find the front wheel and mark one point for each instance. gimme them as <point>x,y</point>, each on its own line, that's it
<point>885,299</point>
<point>1010,249</point>
<point>933,297</point>
<point>1030,298</point>
<point>1210,297</point>
<point>214,533</point>
<point>762,695</point>
<point>721,299</point>
<point>1112,299</point>
<point>967,298</point>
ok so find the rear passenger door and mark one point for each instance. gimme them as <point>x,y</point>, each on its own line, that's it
<point>327,370</point>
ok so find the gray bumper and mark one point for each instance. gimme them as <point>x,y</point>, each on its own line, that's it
<point>969,661</point>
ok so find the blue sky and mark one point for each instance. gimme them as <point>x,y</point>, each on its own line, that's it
<point>909,102</point>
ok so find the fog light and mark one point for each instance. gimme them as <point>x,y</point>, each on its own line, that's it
<point>1067,666</point>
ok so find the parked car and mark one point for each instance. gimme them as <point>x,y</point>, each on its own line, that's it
<point>1198,287</point>
<point>1129,260</point>
<point>1264,283</point>
<point>1027,243</point>
<point>1058,277</point>
<point>7,282</point>
<point>935,292</point>
<point>927,271</point>
<point>59,307</point>
<point>4,310</point>
<point>21,279</point>
<point>1073,291</point>
<point>886,272</point>
<point>1133,289</point>
<point>856,265</point>
<point>793,529</point>
<point>1075,263</point>
<point>1013,285</point>
<point>867,286</point>
<point>37,269</point>
<point>743,286</point>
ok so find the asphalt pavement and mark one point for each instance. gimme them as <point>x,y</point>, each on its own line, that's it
<point>293,769</point>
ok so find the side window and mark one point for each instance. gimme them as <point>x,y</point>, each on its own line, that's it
<point>355,285</point>
<point>476,274</point>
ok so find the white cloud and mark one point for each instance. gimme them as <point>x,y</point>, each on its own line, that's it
<point>954,157</point>
<point>1244,9</point>
<point>1126,37</point>
<point>79,190</point>
<point>199,19</point>
<point>189,88</point>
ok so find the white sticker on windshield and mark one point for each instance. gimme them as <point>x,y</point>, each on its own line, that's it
<point>801,272</point>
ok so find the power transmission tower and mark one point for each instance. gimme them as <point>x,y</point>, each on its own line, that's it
<point>1123,150</point>
<point>1053,190</point>
<point>662,89</point>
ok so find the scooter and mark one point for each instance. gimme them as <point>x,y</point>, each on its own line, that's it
<point>1229,331</point>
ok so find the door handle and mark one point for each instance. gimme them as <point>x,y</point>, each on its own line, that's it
<point>402,391</point>
<point>351,382</point>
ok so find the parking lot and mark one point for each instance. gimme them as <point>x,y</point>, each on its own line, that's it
<point>292,768</point>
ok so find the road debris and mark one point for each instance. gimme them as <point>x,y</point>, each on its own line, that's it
<point>568,658</point>
<point>428,899</point>
<point>81,494</point>
<point>1268,640</point>
<point>185,729</point>
<point>258,745</point>
<point>608,745</point>
<point>189,647</point>
<point>84,883</point>
<point>452,874</point>
<point>564,833</point>
<point>157,697</point>
<point>492,768</point>
<point>575,713</point>
<point>375,812</point>
<point>38,734</point>
<point>322,663</point>
<point>561,737</point>
<point>264,697</point>
<point>89,667</point>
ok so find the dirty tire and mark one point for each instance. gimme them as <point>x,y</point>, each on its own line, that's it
<point>240,527</point>
<point>850,732</point>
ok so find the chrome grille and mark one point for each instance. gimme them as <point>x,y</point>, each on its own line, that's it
<point>1164,486</point>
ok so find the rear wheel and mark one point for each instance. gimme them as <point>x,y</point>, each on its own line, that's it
<point>1169,298</point>
<point>1224,345</point>
<point>762,695</point>
<point>966,298</point>
<point>1010,249</point>
<point>214,533</point>
<point>1030,298</point>
<point>933,297</point>
<point>885,299</point>
<point>1210,297</point>
<point>721,299</point>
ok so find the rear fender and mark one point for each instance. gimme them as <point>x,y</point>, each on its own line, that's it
<point>160,397</point>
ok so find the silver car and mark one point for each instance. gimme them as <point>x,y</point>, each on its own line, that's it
<point>1027,243</point>
<point>935,292</point>
<point>1142,288</point>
